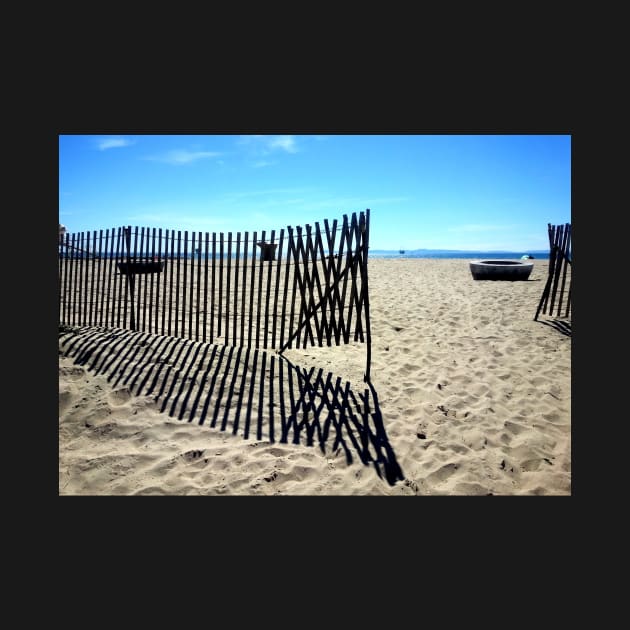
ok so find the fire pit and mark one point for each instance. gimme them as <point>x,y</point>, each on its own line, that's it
<point>500,269</point>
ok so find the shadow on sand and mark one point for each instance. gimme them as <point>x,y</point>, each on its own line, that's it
<point>564,326</point>
<point>249,392</point>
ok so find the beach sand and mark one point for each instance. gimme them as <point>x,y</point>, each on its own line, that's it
<point>468,396</point>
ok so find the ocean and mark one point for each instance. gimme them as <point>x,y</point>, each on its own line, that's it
<point>443,253</point>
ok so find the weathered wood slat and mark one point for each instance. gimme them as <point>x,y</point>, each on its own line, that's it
<point>269,268</point>
<point>227,288</point>
<point>277,286</point>
<point>251,291</point>
<point>244,289</point>
<point>184,286</point>
<point>220,308</point>
<point>236,295</point>
<point>205,286</point>
<point>260,282</point>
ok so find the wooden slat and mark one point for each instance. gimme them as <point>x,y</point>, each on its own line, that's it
<point>82,282</point>
<point>102,276</point>
<point>236,294</point>
<point>118,281</point>
<point>296,272</point>
<point>275,293</point>
<point>205,287</point>
<point>329,266</point>
<point>73,276</point>
<point>165,274</point>
<point>359,294</point>
<point>92,264</point>
<point>271,405</point>
<point>220,311</point>
<point>152,305</point>
<point>346,262</point>
<point>191,283</point>
<point>301,271</point>
<point>227,288</point>
<point>251,291</point>
<point>244,290</point>
<point>259,305</point>
<point>172,273</point>
<point>198,283</point>
<point>353,270</point>
<point>324,295</point>
<point>267,298</point>
<point>62,271</point>
<point>287,266</point>
<point>142,283</point>
<point>184,286</point>
<point>366,297</point>
<point>315,293</point>
<point>132,284</point>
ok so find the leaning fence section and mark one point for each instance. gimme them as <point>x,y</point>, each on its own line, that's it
<point>298,287</point>
<point>556,297</point>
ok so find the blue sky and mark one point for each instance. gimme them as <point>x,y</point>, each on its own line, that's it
<point>468,192</point>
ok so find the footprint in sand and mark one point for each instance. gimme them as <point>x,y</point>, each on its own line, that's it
<point>443,473</point>
<point>190,456</point>
<point>120,396</point>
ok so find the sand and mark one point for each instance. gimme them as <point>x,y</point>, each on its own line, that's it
<point>468,396</point>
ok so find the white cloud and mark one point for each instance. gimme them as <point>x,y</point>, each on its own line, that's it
<point>113,143</point>
<point>286,143</point>
<point>182,156</point>
<point>263,145</point>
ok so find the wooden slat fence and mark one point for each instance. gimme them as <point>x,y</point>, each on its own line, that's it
<point>556,297</point>
<point>302,287</point>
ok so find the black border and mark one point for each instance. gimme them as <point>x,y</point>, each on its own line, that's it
<point>297,523</point>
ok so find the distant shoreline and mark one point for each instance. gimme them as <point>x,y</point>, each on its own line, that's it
<point>428,253</point>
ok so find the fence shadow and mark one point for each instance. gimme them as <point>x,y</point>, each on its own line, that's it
<point>249,392</point>
<point>563,326</point>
